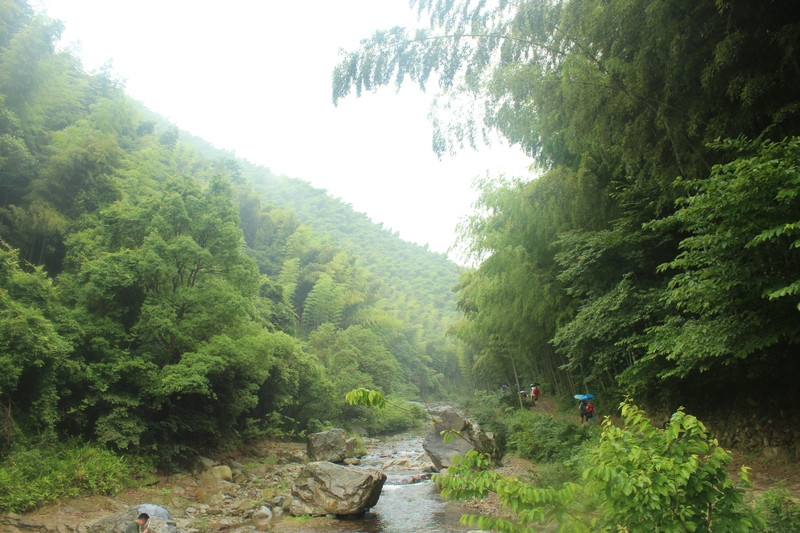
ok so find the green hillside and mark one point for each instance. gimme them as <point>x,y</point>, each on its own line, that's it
<point>158,295</point>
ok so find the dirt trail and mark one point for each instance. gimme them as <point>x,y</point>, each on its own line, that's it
<point>766,474</point>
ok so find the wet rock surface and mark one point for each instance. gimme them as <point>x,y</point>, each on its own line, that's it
<point>326,488</point>
<point>332,445</point>
<point>442,449</point>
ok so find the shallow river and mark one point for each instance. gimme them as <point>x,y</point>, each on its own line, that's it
<point>403,507</point>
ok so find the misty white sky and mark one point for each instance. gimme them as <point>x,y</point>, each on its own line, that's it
<point>254,77</point>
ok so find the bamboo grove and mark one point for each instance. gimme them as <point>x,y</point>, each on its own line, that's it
<point>655,253</point>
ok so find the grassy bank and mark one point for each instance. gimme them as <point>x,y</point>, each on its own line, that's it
<point>50,471</point>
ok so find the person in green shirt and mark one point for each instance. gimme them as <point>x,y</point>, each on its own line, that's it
<point>136,525</point>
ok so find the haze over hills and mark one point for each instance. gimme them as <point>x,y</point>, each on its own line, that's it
<point>411,267</point>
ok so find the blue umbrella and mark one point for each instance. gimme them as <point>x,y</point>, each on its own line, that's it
<point>153,510</point>
<point>583,396</point>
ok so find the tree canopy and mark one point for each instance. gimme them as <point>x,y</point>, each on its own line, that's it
<point>654,250</point>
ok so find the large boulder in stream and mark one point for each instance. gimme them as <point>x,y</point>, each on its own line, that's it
<point>470,437</point>
<point>332,445</point>
<point>323,488</point>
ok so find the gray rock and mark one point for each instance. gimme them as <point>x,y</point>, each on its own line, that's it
<point>329,445</point>
<point>221,472</point>
<point>199,464</point>
<point>153,510</point>
<point>407,465</point>
<point>206,462</point>
<point>324,488</point>
<point>472,437</point>
<point>264,513</point>
<point>352,445</point>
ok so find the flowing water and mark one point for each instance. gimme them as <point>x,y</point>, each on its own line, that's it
<point>409,501</point>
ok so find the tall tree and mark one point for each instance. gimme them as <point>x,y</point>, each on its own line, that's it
<point>165,297</point>
<point>628,94</point>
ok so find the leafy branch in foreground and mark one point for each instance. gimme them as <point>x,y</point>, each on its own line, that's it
<point>469,478</point>
<point>370,398</point>
<point>671,479</point>
<point>641,479</point>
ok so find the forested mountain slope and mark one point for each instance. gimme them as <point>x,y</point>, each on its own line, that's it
<point>417,285</point>
<point>159,296</point>
<point>408,268</point>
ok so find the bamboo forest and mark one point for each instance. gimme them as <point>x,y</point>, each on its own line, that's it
<point>163,299</point>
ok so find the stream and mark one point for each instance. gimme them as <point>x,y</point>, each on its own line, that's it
<point>409,501</point>
<point>403,507</point>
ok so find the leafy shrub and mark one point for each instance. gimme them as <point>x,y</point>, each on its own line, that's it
<point>488,409</point>
<point>671,479</point>
<point>640,479</point>
<point>781,514</point>
<point>544,438</point>
<point>48,472</point>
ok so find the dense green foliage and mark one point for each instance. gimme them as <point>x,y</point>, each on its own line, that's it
<point>46,473</point>
<point>159,296</point>
<point>738,274</point>
<point>650,255</point>
<point>638,477</point>
<point>781,513</point>
<point>410,306</point>
<point>545,438</point>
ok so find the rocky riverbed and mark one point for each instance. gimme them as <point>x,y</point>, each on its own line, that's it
<point>249,487</point>
<point>250,490</point>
